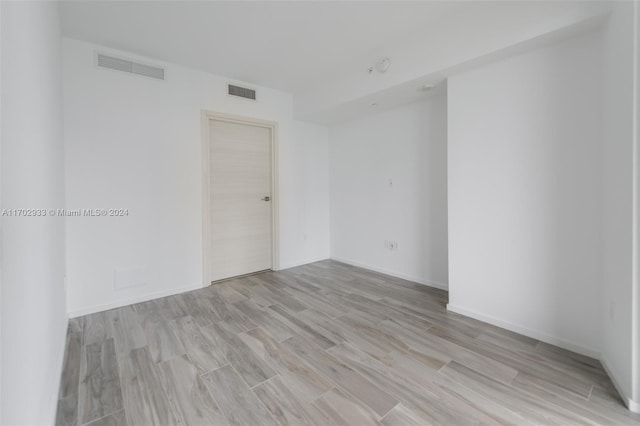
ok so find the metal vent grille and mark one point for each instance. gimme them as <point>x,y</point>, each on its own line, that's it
<point>130,67</point>
<point>242,92</point>
<point>148,71</point>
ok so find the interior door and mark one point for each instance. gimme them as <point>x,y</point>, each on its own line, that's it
<point>240,185</point>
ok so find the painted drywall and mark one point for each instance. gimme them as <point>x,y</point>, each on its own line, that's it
<point>305,238</point>
<point>524,193</point>
<point>389,182</point>
<point>635,355</point>
<point>330,69</point>
<point>134,143</point>
<point>1,400</point>
<point>617,202</point>
<point>33,315</point>
<point>475,30</point>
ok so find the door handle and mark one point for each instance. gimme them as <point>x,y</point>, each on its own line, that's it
<point>267,198</point>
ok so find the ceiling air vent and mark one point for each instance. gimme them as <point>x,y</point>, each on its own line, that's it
<point>242,92</point>
<point>110,62</point>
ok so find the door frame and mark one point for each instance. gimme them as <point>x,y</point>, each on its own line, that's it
<point>207,117</point>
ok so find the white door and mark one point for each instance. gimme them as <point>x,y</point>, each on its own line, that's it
<point>240,185</point>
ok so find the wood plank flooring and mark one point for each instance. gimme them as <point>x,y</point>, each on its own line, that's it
<point>321,344</point>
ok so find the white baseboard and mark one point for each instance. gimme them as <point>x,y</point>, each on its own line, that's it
<point>633,406</point>
<point>124,302</point>
<point>304,262</point>
<point>392,273</point>
<point>547,338</point>
<point>156,295</point>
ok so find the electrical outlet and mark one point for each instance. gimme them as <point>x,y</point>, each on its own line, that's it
<point>391,245</point>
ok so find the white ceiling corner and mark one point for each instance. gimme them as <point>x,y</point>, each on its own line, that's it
<point>317,50</point>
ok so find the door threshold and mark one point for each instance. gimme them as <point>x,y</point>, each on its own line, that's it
<point>240,276</point>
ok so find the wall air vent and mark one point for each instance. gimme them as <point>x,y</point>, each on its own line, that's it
<point>124,65</point>
<point>242,92</point>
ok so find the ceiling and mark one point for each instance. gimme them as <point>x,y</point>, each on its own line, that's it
<point>282,45</point>
<point>320,50</point>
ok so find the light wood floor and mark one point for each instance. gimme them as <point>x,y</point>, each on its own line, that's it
<point>325,344</point>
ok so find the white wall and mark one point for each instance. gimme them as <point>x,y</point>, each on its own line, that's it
<point>33,296</point>
<point>408,145</point>
<point>134,142</point>
<point>1,269</point>
<point>306,233</point>
<point>617,155</point>
<point>524,193</point>
<point>635,356</point>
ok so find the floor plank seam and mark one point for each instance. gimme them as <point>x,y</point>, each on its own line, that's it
<point>214,369</point>
<point>262,402</point>
<point>390,410</point>
<point>264,381</point>
<point>101,418</point>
